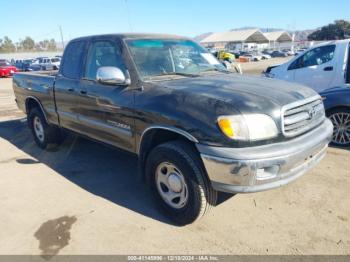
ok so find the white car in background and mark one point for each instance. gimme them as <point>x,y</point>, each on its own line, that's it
<point>290,52</point>
<point>56,62</point>
<point>252,56</point>
<point>264,56</point>
<point>41,64</point>
<point>320,67</point>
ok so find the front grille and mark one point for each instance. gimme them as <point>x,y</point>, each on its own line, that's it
<point>301,116</point>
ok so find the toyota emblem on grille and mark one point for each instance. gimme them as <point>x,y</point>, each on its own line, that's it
<point>312,112</point>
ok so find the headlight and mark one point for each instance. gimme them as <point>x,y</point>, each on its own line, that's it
<point>248,127</point>
<point>269,75</point>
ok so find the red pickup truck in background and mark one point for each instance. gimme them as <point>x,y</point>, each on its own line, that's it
<point>6,69</point>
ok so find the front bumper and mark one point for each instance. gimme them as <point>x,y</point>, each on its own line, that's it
<point>253,169</point>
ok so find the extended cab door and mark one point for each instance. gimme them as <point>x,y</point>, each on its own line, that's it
<point>316,68</point>
<point>67,85</point>
<point>106,111</point>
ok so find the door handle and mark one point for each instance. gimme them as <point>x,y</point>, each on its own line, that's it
<point>328,68</point>
<point>90,95</point>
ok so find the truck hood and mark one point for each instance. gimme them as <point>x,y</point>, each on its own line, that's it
<point>335,90</point>
<point>245,94</point>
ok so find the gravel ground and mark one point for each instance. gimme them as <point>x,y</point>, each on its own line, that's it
<point>256,68</point>
<point>85,198</point>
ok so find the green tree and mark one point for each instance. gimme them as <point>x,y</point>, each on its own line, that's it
<point>6,45</point>
<point>42,45</point>
<point>27,44</point>
<point>340,29</point>
<point>46,44</point>
<point>52,45</point>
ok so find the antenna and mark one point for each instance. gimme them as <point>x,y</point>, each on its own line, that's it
<point>128,14</point>
<point>61,37</point>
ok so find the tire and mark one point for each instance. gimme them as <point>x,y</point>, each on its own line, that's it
<point>43,133</point>
<point>340,118</point>
<point>174,169</point>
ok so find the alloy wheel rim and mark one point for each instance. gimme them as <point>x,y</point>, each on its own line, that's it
<point>341,132</point>
<point>171,185</point>
<point>38,129</point>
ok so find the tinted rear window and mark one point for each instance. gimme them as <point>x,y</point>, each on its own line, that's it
<point>72,60</point>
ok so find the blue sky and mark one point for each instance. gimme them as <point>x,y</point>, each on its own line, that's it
<point>40,19</point>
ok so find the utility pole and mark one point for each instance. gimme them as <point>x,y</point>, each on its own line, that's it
<point>61,37</point>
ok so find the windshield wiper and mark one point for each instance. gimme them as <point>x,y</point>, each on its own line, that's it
<point>216,70</point>
<point>176,74</point>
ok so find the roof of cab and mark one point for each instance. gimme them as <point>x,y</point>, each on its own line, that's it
<point>332,42</point>
<point>133,36</point>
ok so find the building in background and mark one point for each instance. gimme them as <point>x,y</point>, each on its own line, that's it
<point>279,39</point>
<point>235,40</point>
<point>251,39</point>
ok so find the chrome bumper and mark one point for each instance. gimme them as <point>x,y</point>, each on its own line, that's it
<point>253,169</point>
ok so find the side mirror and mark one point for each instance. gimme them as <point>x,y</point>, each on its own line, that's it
<point>111,75</point>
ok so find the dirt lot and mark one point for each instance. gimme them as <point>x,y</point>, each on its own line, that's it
<point>85,198</point>
<point>256,68</point>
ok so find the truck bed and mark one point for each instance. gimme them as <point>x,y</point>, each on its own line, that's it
<point>38,85</point>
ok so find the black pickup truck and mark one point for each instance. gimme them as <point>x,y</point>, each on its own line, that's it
<point>197,128</point>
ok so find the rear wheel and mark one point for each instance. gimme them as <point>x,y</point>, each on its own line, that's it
<point>38,129</point>
<point>179,182</point>
<point>43,133</point>
<point>341,122</point>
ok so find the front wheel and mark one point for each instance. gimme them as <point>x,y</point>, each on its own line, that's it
<point>341,123</point>
<point>179,182</point>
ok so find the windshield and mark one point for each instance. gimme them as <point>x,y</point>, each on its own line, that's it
<point>159,57</point>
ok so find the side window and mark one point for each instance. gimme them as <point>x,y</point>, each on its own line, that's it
<point>72,59</point>
<point>295,64</point>
<point>314,57</point>
<point>103,53</point>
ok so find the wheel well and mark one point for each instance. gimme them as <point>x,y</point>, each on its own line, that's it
<point>336,108</point>
<point>32,103</point>
<point>155,137</point>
